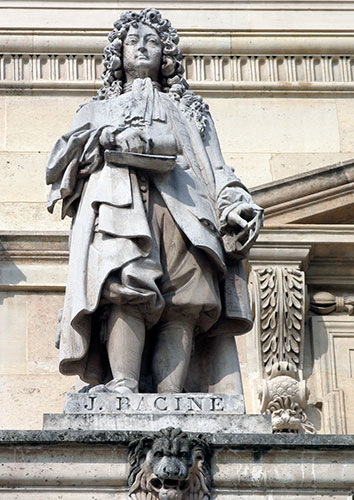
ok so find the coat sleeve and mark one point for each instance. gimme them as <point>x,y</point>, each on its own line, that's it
<point>74,157</point>
<point>229,189</point>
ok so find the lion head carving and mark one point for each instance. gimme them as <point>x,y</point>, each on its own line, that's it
<point>169,466</point>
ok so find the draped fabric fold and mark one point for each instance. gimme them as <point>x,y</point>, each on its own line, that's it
<point>110,227</point>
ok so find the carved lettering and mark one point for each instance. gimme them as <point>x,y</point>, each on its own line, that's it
<point>177,399</point>
<point>217,404</point>
<point>141,405</point>
<point>157,404</point>
<point>123,403</point>
<point>90,405</point>
<point>195,402</point>
<point>150,403</point>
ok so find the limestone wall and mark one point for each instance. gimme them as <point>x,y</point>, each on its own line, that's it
<point>75,465</point>
<point>279,79</point>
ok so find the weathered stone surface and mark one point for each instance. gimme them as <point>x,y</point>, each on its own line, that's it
<point>253,168</point>
<point>13,357</point>
<point>345,110</point>
<point>162,226</point>
<point>252,441</point>
<point>31,396</point>
<point>22,177</point>
<point>258,121</point>
<point>228,422</point>
<point>324,195</point>
<point>35,112</point>
<point>288,164</point>
<point>31,216</point>
<point>170,465</point>
<point>52,465</point>
<point>151,412</point>
<point>153,403</point>
<point>42,356</point>
<point>2,123</point>
<point>332,375</point>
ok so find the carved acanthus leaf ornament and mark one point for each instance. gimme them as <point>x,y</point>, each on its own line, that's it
<point>279,301</point>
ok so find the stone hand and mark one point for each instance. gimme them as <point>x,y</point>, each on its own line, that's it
<point>245,222</point>
<point>107,137</point>
<point>241,215</point>
<point>129,140</point>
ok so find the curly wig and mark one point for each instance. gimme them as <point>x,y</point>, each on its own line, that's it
<point>171,69</point>
<point>171,74</point>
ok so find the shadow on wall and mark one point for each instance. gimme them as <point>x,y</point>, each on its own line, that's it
<point>10,274</point>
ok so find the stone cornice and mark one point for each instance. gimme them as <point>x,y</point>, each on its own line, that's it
<point>193,41</point>
<point>226,14</point>
<point>187,4</point>
<point>325,252</point>
<point>319,196</point>
<point>24,245</point>
<point>235,441</point>
<point>233,46</point>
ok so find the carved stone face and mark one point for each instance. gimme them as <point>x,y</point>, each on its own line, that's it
<point>142,53</point>
<point>170,463</point>
<point>172,467</point>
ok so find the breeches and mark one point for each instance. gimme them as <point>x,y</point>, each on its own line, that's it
<point>176,280</point>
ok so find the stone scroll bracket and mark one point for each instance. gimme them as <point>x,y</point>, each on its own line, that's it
<point>278,291</point>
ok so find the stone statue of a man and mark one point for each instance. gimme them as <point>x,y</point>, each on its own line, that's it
<point>160,225</point>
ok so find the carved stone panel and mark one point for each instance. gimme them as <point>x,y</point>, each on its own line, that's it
<point>279,303</point>
<point>333,345</point>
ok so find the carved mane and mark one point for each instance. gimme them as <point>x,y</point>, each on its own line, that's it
<point>195,486</point>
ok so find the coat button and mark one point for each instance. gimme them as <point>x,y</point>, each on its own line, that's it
<point>143,179</point>
<point>143,189</point>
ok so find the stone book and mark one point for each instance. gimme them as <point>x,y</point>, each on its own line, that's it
<point>152,163</point>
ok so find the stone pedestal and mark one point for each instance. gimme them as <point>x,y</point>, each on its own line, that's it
<point>151,412</point>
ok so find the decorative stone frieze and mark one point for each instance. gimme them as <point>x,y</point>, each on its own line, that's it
<point>169,466</point>
<point>279,303</point>
<point>222,71</point>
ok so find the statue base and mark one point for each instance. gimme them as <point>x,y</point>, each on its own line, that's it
<point>193,412</point>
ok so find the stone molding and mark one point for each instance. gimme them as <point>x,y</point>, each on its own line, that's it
<point>74,464</point>
<point>330,334</point>
<point>325,252</point>
<point>67,72</point>
<point>241,15</point>
<point>323,195</point>
<point>200,41</point>
<point>33,260</point>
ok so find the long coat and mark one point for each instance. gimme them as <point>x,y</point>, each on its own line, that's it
<point>199,193</point>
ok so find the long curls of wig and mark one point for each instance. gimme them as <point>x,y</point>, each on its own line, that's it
<point>172,70</point>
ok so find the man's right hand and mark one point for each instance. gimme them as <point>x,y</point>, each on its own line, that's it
<point>130,140</point>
